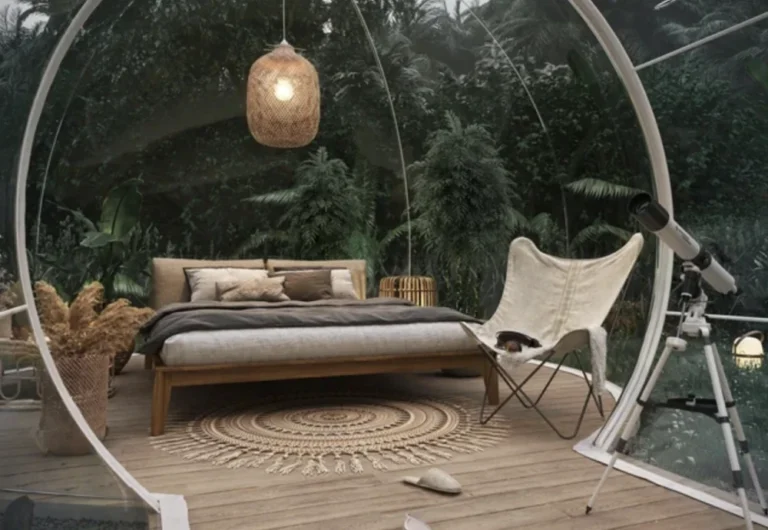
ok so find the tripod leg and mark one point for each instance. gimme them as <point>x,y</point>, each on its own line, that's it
<point>634,416</point>
<point>733,412</point>
<point>722,419</point>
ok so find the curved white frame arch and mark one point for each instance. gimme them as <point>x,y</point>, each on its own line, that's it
<point>33,120</point>
<point>626,71</point>
<point>664,255</point>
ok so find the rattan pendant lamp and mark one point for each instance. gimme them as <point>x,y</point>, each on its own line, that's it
<point>283,98</point>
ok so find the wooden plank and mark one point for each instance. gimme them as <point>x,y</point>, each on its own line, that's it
<point>706,519</point>
<point>532,480</point>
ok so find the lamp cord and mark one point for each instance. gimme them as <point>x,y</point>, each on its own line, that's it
<point>284,40</point>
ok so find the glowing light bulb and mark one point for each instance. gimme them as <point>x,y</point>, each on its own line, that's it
<point>284,90</point>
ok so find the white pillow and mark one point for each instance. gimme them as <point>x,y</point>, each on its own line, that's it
<point>342,286</point>
<point>202,281</point>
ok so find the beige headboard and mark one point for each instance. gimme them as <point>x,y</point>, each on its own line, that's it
<point>169,283</point>
<point>356,266</point>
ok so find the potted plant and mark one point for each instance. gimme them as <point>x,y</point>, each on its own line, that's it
<point>114,242</point>
<point>82,338</point>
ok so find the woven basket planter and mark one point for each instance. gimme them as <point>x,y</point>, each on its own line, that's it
<point>87,380</point>
<point>421,290</point>
<point>122,358</point>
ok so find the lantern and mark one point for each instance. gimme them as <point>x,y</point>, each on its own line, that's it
<point>748,350</point>
<point>283,99</point>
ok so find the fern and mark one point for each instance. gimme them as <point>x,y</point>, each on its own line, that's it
<point>601,189</point>
<point>280,197</point>
<point>463,205</point>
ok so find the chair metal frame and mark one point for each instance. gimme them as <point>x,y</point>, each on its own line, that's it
<point>516,390</point>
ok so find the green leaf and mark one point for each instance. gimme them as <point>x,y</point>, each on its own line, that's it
<point>601,189</point>
<point>582,70</point>
<point>598,230</point>
<point>123,286</point>
<point>97,239</point>
<point>759,72</point>
<point>121,209</point>
<point>280,197</point>
<point>516,220</point>
<point>80,218</point>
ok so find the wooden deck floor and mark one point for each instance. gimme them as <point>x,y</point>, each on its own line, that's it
<point>534,480</point>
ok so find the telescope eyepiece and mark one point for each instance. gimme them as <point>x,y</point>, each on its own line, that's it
<point>639,203</point>
<point>650,213</point>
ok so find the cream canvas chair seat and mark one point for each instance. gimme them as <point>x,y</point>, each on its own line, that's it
<point>562,303</point>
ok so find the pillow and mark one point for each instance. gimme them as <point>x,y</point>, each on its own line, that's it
<point>342,285</point>
<point>258,290</point>
<point>202,281</point>
<point>306,286</point>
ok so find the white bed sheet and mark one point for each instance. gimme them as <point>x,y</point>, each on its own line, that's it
<point>282,344</point>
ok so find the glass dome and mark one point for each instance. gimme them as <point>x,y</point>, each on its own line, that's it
<point>447,130</point>
<point>711,57</point>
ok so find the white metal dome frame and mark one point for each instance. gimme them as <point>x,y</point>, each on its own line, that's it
<point>172,508</point>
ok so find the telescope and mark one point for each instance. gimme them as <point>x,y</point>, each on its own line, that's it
<point>656,219</point>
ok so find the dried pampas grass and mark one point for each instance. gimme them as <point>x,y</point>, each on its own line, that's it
<point>81,329</point>
<point>53,310</point>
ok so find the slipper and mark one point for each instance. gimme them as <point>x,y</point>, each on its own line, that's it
<point>411,523</point>
<point>435,480</point>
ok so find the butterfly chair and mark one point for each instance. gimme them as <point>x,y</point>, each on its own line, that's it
<point>560,304</point>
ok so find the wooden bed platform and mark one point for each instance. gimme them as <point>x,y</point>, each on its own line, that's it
<point>168,377</point>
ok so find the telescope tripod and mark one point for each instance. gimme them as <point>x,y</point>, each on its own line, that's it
<point>722,408</point>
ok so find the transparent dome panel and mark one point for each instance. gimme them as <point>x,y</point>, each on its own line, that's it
<point>49,476</point>
<point>710,104</point>
<point>446,130</point>
<point>568,137</point>
<point>650,30</point>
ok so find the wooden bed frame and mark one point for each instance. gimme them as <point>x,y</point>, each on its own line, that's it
<point>169,285</point>
<point>168,377</point>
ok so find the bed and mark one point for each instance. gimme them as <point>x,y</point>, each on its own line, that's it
<point>202,341</point>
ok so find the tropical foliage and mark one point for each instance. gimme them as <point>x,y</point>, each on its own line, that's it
<point>495,120</point>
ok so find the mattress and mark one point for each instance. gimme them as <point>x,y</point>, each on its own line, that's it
<point>242,346</point>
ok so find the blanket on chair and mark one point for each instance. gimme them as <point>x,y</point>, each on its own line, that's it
<point>598,347</point>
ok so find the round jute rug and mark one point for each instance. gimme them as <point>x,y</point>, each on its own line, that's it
<point>317,434</point>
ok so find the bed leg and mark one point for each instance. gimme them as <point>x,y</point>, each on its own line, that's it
<point>161,399</point>
<point>491,379</point>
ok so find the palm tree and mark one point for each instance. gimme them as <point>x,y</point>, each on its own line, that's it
<point>545,30</point>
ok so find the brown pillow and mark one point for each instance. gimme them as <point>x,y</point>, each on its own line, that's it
<point>341,280</point>
<point>256,290</point>
<point>307,286</point>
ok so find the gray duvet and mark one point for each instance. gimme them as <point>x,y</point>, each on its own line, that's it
<point>213,316</point>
